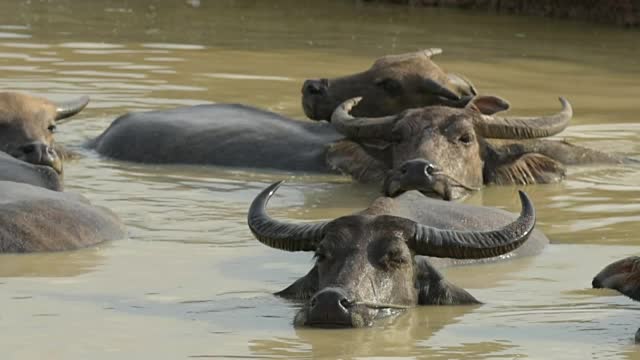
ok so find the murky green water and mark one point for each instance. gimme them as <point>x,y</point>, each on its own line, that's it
<point>192,282</point>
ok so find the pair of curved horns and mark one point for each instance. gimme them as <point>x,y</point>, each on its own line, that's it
<point>495,127</point>
<point>67,109</point>
<point>426,240</point>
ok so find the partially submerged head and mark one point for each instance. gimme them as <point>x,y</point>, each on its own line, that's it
<point>450,141</point>
<point>622,275</point>
<point>27,125</point>
<point>393,83</point>
<point>365,264</point>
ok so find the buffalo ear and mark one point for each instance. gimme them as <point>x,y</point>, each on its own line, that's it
<point>530,168</point>
<point>303,288</point>
<point>488,105</point>
<point>352,159</point>
<point>434,289</point>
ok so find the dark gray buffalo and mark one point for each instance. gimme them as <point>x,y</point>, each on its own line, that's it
<point>374,263</point>
<point>243,136</point>
<point>624,276</point>
<point>27,125</point>
<point>36,219</point>
<point>461,149</point>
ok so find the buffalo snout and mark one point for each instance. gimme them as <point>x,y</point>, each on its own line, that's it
<point>416,174</point>
<point>39,153</point>
<point>316,101</point>
<point>315,87</point>
<point>330,307</point>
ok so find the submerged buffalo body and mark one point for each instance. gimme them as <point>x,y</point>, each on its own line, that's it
<point>36,219</point>
<point>374,263</point>
<point>218,134</point>
<point>624,276</point>
<point>27,125</point>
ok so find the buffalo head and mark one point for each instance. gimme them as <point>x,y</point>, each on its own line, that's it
<point>624,276</point>
<point>392,84</point>
<point>453,144</point>
<point>27,125</point>
<point>366,265</point>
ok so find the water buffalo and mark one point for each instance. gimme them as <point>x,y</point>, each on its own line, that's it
<point>228,134</point>
<point>374,263</point>
<point>462,148</point>
<point>242,136</point>
<point>393,83</point>
<point>624,276</point>
<point>37,219</point>
<point>27,125</point>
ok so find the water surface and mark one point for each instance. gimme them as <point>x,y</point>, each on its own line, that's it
<point>191,282</point>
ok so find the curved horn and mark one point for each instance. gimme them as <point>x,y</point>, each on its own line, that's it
<point>69,108</point>
<point>429,241</point>
<point>433,87</point>
<point>281,235</point>
<point>525,127</point>
<point>360,128</point>
<point>428,53</point>
<point>432,52</point>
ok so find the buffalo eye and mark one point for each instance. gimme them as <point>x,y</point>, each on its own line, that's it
<point>320,256</point>
<point>466,138</point>
<point>52,128</point>
<point>390,86</point>
<point>394,258</point>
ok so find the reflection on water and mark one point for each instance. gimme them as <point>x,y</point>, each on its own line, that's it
<point>191,281</point>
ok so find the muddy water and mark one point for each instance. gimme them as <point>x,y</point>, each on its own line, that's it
<point>192,282</point>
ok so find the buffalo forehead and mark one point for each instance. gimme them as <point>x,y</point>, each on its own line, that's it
<point>15,106</point>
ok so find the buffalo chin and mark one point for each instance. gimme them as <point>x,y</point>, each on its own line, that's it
<point>438,190</point>
<point>359,317</point>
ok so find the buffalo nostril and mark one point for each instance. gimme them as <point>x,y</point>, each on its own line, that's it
<point>28,149</point>
<point>430,169</point>
<point>345,303</point>
<point>316,87</point>
<point>314,302</point>
<point>313,89</point>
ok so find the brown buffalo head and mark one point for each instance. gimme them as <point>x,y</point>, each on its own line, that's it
<point>394,83</point>
<point>366,264</point>
<point>622,275</point>
<point>452,142</point>
<point>27,125</point>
